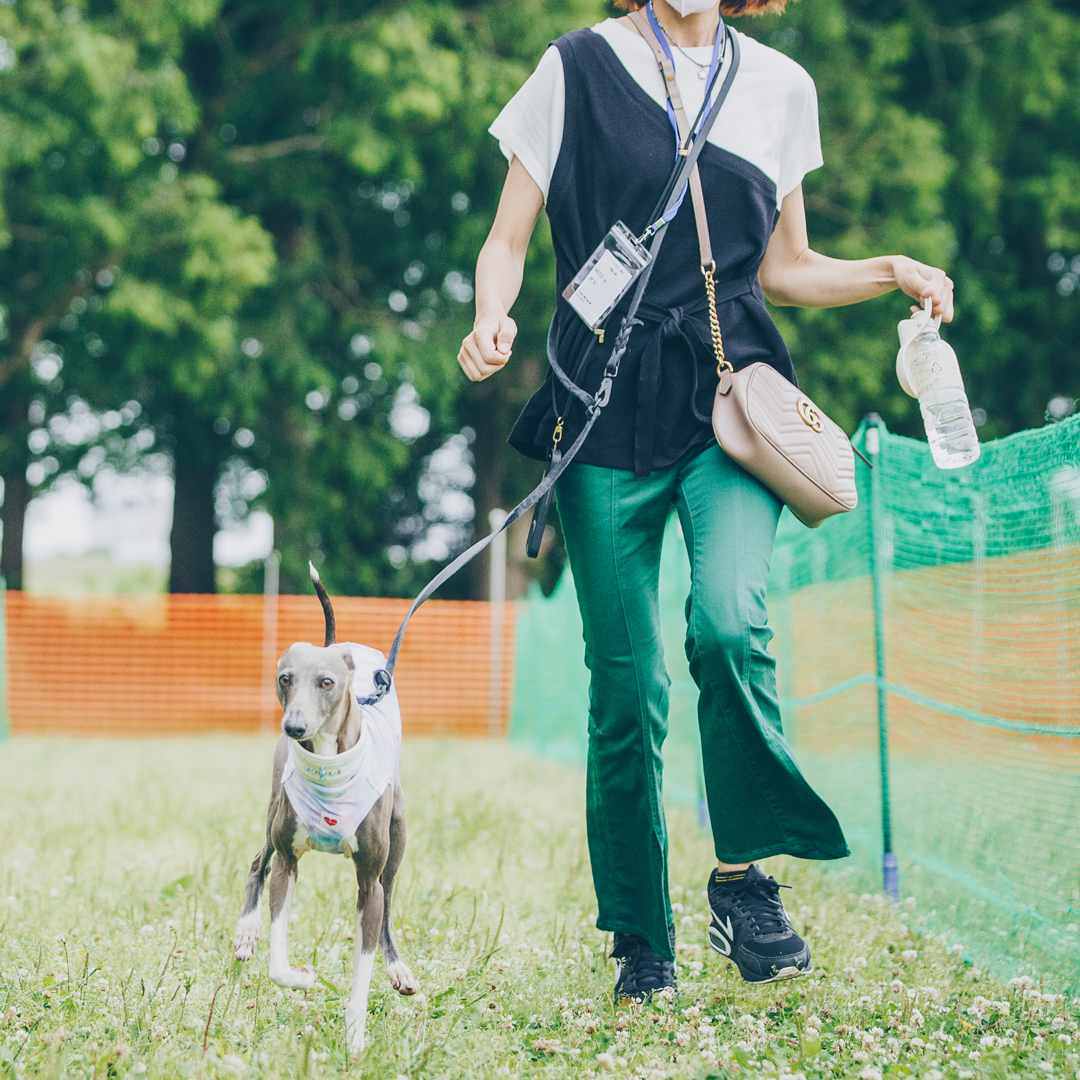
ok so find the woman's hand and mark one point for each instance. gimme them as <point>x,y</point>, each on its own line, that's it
<point>487,348</point>
<point>920,281</point>
<point>498,275</point>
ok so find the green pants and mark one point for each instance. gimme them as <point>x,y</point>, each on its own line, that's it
<point>759,803</point>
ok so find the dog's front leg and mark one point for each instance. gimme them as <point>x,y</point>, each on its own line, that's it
<point>282,888</point>
<point>250,923</point>
<point>369,913</point>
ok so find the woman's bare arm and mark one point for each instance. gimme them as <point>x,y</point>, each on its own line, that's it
<point>499,271</point>
<point>793,275</point>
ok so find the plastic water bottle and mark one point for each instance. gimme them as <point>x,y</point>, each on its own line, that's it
<point>928,370</point>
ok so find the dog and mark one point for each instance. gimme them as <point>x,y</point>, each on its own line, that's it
<point>336,787</point>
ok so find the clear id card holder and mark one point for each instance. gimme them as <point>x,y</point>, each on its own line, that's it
<point>606,278</point>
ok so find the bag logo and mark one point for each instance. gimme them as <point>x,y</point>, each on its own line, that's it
<point>810,415</point>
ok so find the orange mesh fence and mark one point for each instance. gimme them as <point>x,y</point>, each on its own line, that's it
<point>130,665</point>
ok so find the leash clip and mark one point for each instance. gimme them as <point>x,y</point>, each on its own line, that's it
<point>603,395</point>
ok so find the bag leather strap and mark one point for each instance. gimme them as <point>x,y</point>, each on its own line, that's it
<point>667,72</point>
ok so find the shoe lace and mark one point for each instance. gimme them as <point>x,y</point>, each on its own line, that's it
<point>760,900</point>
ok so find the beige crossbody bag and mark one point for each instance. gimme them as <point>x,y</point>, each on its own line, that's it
<point>761,420</point>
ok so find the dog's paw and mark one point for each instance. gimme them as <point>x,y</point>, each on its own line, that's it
<point>401,978</point>
<point>301,978</point>
<point>247,933</point>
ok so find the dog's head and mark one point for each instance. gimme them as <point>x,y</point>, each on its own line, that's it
<point>314,687</point>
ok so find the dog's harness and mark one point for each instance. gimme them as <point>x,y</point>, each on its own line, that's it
<point>331,796</point>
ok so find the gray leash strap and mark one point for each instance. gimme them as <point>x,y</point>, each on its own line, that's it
<point>594,403</point>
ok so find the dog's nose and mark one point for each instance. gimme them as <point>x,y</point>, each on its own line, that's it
<point>294,727</point>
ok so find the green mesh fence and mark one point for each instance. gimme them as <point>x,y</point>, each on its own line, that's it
<point>940,620</point>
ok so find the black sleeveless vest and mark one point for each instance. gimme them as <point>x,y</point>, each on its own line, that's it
<point>618,149</point>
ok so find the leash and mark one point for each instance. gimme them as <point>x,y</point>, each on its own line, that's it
<point>594,404</point>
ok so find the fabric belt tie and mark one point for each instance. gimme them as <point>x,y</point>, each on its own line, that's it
<point>668,324</point>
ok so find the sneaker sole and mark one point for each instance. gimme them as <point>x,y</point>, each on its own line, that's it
<point>781,976</point>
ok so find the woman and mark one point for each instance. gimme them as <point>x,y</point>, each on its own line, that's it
<point>588,135</point>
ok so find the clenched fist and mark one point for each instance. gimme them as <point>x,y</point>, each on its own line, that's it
<point>487,348</point>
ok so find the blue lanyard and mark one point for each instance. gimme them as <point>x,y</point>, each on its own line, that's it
<point>710,82</point>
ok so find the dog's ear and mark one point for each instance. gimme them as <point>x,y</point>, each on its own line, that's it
<point>345,652</point>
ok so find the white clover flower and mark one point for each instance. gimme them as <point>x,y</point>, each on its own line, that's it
<point>859,962</point>
<point>896,986</point>
<point>605,1061</point>
<point>870,1073</point>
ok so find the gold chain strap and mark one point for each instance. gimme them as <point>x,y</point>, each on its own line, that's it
<point>714,321</point>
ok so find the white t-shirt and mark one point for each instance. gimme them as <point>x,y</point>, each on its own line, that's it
<point>770,118</point>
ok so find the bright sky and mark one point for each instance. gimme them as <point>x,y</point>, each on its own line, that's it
<point>130,519</point>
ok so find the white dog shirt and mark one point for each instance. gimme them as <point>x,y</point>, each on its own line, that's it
<point>332,795</point>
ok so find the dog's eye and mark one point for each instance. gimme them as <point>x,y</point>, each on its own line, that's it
<point>284,679</point>
<point>326,683</point>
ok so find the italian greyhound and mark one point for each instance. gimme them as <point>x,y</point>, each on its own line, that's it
<point>336,787</point>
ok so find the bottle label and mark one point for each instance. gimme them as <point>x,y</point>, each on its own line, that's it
<point>933,366</point>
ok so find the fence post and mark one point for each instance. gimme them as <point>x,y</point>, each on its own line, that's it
<point>874,427</point>
<point>497,597</point>
<point>267,697</point>
<point>5,728</point>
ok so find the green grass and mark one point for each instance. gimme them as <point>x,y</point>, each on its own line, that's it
<point>121,871</point>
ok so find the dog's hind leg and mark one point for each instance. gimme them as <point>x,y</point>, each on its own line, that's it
<point>250,923</point>
<point>401,978</point>
<point>282,888</point>
<point>369,914</point>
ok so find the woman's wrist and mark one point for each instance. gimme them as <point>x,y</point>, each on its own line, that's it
<point>489,313</point>
<point>893,264</point>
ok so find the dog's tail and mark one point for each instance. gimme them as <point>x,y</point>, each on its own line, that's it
<point>328,610</point>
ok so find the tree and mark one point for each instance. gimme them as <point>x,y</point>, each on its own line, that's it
<point>357,135</point>
<point>97,239</point>
<point>949,132</point>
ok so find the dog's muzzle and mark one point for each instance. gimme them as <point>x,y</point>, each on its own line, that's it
<point>294,726</point>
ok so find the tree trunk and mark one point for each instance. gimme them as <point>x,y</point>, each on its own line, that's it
<point>16,499</point>
<point>191,539</point>
<point>489,463</point>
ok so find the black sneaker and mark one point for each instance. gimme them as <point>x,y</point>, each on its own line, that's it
<point>641,971</point>
<point>750,927</point>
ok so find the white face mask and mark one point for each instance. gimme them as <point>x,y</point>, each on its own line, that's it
<point>692,7</point>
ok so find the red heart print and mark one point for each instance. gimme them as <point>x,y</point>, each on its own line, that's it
<point>330,820</point>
